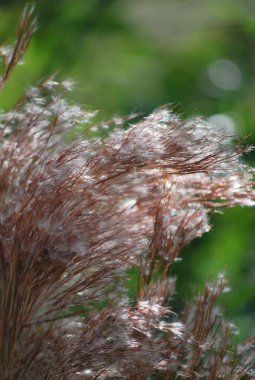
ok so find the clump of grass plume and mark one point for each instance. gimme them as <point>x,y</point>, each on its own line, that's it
<point>76,216</point>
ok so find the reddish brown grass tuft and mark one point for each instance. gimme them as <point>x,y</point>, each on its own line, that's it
<point>75,217</point>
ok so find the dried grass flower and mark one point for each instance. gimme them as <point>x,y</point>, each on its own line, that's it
<point>75,217</point>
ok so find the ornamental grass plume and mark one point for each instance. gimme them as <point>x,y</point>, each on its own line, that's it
<point>75,217</point>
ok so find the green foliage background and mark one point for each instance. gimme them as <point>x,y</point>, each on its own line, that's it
<point>128,56</point>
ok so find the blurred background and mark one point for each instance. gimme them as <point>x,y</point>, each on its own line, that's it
<point>128,56</point>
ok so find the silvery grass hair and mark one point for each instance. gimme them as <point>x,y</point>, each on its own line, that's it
<point>75,217</point>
